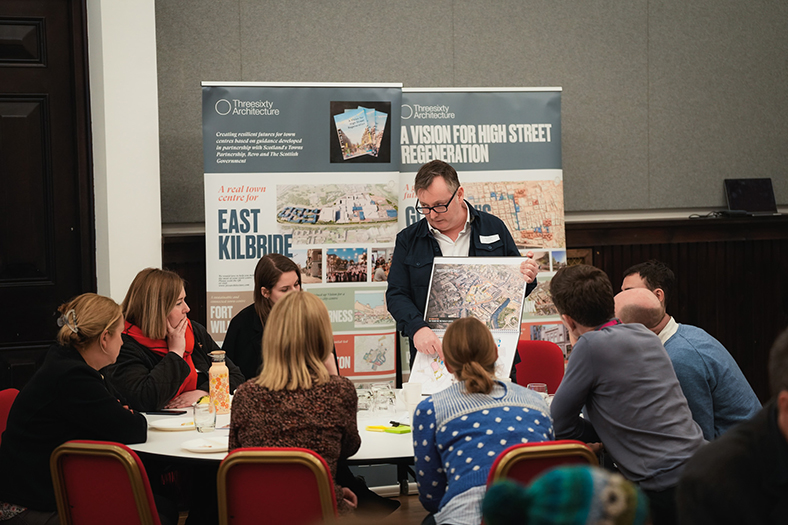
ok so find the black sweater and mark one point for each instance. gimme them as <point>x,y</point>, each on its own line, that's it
<point>66,399</point>
<point>148,381</point>
<point>243,341</point>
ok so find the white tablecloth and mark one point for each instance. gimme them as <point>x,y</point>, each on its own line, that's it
<point>376,447</point>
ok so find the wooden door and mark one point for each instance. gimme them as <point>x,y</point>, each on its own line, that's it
<point>47,245</point>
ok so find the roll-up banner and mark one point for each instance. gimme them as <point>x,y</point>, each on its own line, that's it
<point>310,171</point>
<point>505,144</point>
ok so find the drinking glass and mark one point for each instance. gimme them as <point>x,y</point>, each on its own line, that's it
<point>204,416</point>
<point>365,401</point>
<point>388,401</point>
<point>539,387</point>
<point>383,397</point>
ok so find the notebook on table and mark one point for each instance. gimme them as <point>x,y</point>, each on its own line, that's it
<point>750,197</point>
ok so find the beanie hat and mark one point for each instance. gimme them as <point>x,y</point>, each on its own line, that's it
<point>573,495</point>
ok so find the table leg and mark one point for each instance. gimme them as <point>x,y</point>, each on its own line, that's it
<point>402,477</point>
<point>403,470</point>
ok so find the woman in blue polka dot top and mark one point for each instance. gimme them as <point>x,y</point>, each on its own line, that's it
<point>460,431</point>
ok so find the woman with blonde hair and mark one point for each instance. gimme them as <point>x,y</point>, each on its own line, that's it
<point>459,431</point>
<point>295,402</point>
<point>66,399</point>
<point>164,360</point>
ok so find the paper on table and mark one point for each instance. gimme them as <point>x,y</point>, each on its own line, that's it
<point>173,424</point>
<point>206,445</point>
<point>431,372</point>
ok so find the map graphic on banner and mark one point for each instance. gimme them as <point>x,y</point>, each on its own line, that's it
<point>506,147</point>
<point>532,210</point>
<point>491,289</point>
<point>309,171</point>
<point>338,213</point>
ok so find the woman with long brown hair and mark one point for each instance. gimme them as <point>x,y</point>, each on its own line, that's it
<point>274,277</point>
<point>459,431</point>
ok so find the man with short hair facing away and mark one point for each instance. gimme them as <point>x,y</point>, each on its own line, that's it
<point>621,376</point>
<point>451,227</point>
<point>718,394</point>
<point>742,477</point>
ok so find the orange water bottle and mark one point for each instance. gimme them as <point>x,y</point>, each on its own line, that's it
<point>219,379</point>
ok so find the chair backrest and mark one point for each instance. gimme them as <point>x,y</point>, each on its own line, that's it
<point>101,482</point>
<point>7,397</point>
<point>540,362</point>
<point>525,461</point>
<point>285,485</point>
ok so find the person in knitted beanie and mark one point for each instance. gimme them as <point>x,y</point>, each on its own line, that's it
<point>572,495</point>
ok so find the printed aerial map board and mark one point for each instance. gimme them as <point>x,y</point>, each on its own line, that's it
<point>506,147</point>
<point>492,290</point>
<point>310,171</point>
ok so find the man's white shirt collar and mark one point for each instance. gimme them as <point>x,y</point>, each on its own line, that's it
<point>670,329</point>
<point>459,248</point>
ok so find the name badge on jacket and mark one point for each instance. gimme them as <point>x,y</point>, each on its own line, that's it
<point>489,239</point>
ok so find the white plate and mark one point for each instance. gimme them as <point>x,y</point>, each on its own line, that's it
<point>206,445</point>
<point>176,424</point>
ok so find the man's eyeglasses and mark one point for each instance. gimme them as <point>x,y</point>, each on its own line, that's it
<point>440,208</point>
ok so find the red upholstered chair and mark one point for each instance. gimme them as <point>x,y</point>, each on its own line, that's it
<point>101,482</point>
<point>525,461</point>
<point>7,397</point>
<point>540,362</point>
<point>290,486</point>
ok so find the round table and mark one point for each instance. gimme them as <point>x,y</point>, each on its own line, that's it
<point>376,447</point>
<point>168,443</point>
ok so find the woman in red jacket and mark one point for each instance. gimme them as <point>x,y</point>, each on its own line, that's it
<point>164,360</point>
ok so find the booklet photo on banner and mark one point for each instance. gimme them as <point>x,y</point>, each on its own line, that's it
<point>359,131</point>
<point>492,290</point>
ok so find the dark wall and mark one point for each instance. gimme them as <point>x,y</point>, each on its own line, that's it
<point>731,276</point>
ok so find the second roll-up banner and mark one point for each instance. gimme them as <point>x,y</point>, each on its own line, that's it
<point>505,144</point>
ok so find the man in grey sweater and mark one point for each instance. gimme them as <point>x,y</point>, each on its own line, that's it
<point>623,377</point>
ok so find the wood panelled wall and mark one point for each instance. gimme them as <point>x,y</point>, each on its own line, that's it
<point>731,276</point>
